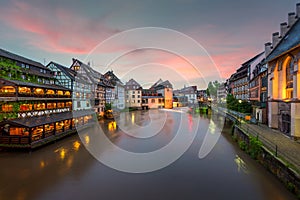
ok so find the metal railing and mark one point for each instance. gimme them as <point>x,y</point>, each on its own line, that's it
<point>268,144</point>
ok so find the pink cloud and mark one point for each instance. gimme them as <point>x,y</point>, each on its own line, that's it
<point>57,30</point>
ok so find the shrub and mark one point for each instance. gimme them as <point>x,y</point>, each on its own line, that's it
<point>243,145</point>
<point>254,147</point>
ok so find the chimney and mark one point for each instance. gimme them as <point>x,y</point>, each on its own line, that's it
<point>283,29</point>
<point>268,48</point>
<point>298,10</point>
<point>275,39</point>
<point>291,19</point>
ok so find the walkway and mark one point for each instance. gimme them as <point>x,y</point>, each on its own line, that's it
<point>278,143</point>
<point>282,146</point>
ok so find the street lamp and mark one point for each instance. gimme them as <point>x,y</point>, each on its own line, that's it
<point>240,101</point>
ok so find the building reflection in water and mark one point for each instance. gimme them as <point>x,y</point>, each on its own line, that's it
<point>132,118</point>
<point>87,139</point>
<point>62,154</point>
<point>42,164</point>
<point>240,164</point>
<point>76,145</point>
<point>112,126</point>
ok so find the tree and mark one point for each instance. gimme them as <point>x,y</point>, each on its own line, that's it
<point>108,106</point>
<point>213,88</point>
<point>233,104</point>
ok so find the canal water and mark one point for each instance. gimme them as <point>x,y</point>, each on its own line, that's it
<point>66,170</point>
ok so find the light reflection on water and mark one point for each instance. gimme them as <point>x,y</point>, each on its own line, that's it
<point>241,165</point>
<point>65,170</point>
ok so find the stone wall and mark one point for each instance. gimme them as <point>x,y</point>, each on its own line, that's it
<point>276,166</point>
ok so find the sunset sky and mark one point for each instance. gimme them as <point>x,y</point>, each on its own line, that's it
<point>230,31</point>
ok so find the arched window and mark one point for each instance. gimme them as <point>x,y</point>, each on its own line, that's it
<point>289,78</point>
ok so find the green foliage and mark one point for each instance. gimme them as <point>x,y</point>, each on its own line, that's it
<point>108,106</point>
<point>212,88</point>
<point>291,187</point>
<point>243,145</point>
<point>233,104</point>
<point>234,137</point>
<point>255,147</point>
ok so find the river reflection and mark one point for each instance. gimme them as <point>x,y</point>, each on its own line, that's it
<point>66,170</point>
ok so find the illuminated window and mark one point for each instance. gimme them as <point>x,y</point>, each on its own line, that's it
<point>51,105</point>
<point>38,91</point>
<point>59,92</point>
<point>289,74</point>
<point>76,67</point>
<point>7,108</point>
<point>60,105</point>
<point>18,131</point>
<point>67,93</point>
<point>69,104</point>
<point>39,106</point>
<point>8,89</point>
<point>37,133</point>
<point>50,92</point>
<point>25,107</point>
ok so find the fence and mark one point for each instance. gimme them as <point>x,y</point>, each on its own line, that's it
<point>272,146</point>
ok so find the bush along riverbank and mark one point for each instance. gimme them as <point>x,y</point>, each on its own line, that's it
<point>278,167</point>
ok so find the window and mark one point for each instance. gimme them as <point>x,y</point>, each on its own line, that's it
<point>39,106</point>
<point>139,96</point>
<point>8,89</point>
<point>133,96</point>
<point>25,107</point>
<point>289,78</point>
<point>133,92</point>
<point>60,105</point>
<point>59,92</point>
<point>50,92</point>
<point>139,101</point>
<point>38,91</point>
<point>7,108</point>
<point>51,105</point>
<point>78,104</point>
<point>152,100</point>
<point>69,104</point>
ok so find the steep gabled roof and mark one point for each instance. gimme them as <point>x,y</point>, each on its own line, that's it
<point>69,72</point>
<point>113,77</point>
<point>12,56</point>
<point>289,42</point>
<point>157,83</point>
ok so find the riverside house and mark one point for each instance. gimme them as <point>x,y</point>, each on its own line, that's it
<point>34,110</point>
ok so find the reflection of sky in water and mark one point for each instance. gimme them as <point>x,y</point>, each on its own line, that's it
<point>65,170</point>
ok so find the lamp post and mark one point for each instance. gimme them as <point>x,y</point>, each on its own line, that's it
<point>240,101</point>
